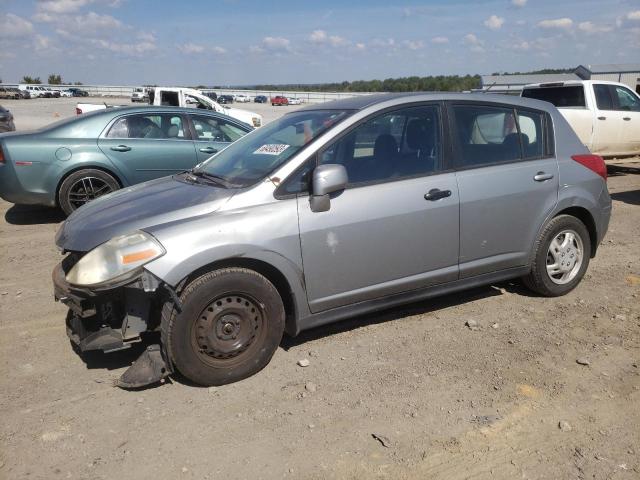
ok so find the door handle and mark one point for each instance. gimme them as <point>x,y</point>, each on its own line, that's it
<point>626,118</point>
<point>121,148</point>
<point>541,176</point>
<point>602,118</point>
<point>436,194</point>
<point>209,150</point>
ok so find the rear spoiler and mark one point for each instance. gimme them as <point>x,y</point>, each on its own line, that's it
<point>552,84</point>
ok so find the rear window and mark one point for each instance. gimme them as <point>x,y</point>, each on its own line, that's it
<point>569,96</point>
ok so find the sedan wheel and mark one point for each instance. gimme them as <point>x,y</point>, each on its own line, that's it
<point>84,186</point>
<point>564,257</point>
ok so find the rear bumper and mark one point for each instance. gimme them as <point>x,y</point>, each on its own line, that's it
<point>13,191</point>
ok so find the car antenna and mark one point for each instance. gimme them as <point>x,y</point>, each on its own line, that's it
<point>489,87</point>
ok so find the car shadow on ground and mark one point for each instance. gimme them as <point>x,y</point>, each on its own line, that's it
<point>32,215</point>
<point>398,313</point>
<point>632,197</point>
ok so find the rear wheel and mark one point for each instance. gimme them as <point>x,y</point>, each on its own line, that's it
<point>562,255</point>
<point>83,186</point>
<point>230,325</point>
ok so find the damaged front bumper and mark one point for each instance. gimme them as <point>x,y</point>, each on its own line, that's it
<point>115,318</point>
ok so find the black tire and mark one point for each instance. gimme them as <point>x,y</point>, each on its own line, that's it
<point>99,183</point>
<point>539,279</point>
<point>196,340</point>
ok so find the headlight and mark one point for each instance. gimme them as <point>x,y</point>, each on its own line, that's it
<point>116,259</point>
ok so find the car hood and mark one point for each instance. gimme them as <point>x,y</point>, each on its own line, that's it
<point>242,115</point>
<point>135,208</point>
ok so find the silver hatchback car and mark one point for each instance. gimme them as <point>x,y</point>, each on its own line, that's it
<point>334,210</point>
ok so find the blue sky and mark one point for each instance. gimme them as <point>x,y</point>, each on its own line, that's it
<point>243,42</point>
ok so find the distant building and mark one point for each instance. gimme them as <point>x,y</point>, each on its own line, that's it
<point>512,84</point>
<point>629,74</point>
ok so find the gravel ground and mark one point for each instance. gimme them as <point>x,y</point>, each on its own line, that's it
<point>408,393</point>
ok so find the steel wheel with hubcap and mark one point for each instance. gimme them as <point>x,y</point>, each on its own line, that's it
<point>229,327</point>
<point>561,257</point>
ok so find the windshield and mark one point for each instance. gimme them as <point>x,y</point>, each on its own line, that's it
<point>257,154</point>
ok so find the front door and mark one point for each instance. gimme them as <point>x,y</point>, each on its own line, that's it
<point>213,133</point>
<point>395,227</point>
<point>148,146</point>
<point>508,184</point>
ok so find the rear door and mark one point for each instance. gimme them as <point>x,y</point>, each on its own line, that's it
<point>145,146</point>
<point>508,182</point>
<point>213,133</point>
<point>381,235</point>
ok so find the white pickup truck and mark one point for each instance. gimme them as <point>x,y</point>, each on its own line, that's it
<point>605,115</point>
<point>183,97</point>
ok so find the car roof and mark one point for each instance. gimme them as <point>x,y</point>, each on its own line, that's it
<point>362,102</point>
<point>571,83</point>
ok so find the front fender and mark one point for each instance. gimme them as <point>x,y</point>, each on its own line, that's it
<point>266,233</point>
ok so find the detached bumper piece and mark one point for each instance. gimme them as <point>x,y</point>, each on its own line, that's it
<point>148,369</point>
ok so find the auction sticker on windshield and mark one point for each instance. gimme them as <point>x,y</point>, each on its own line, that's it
<point>271,149</point>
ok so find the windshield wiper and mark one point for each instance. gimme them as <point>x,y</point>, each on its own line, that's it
<point>217,179</point>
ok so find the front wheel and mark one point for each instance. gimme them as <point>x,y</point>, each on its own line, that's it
<point>562,254</point>
<point>83,186</point>
<point>230,325</point>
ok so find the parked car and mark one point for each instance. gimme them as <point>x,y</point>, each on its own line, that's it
<point>241,98</point>
<point>64,92</point>
<point>260,99</point>
<point>52,92</point>
<point>184,97</point>
<point>6,125</point>
<point>605,115</point>
<point>77,160</point>
<point>331,211</point>
<point>76,92</point>
<point>210,94</point>
<point>294,101</point>
<point>22,94</point>
<point>34,90</point>
<point>279,100</point>
<point>139,95</point>
<point>225,99</point>
<point>9,93</point>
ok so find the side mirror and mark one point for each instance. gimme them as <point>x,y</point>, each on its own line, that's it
<point>327,179</point>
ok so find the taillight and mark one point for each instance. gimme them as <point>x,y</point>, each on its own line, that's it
<point>595,163</point>
<point>1,156</point>
<point>78,111</point>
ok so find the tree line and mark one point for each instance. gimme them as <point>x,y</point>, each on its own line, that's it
<point>54,79</point>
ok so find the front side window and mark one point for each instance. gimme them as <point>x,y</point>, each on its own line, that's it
<point>397,144</point>
<point>156,126</point>
<point>257,154</point>
<point>214,129</point>
<point>626,100</point>
<point>488,135</point>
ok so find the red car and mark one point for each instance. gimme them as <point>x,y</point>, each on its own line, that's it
<point>279,100</point>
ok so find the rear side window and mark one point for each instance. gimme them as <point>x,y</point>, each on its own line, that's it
<point>567,96</point>
<point>487,135</point>
<point>159,126</point>
<point>625,99</point>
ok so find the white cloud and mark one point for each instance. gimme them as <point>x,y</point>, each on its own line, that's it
<point>592,28</point>
<point>439,40</point>
<point>274,44</point>
<point>473,42</point>
<point>41,43</point>
<point>414,44</point>
<point>61,6</point>
<point>494,22</point>
<point>629,20</point>
<point>88,24</point>
<point>557,23</point>
<point>129,49</point>
<point>518,3</point>
<point>320,37</point>
<point>13,26</point>
<point>190,48</point>
<point>360,46</point>
<point>383,43</point>
<point>218,50</point>
<point>149,37</point>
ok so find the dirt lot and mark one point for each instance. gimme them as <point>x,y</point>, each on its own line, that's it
<point>449,402</point>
